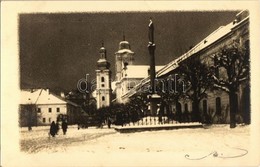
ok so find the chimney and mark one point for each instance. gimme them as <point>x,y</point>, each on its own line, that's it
<point>241,15</point>
<point>62,94</point>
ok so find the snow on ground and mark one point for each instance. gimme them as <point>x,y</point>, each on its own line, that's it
<point>38,139</point>
<point>107,147</point>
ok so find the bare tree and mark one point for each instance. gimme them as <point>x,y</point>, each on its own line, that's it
<point>197,76</point>
<point>171,89</point>
<point>233,63</point>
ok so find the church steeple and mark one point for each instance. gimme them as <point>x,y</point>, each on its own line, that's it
<point>124,56</point>
<point>102,63</point>
<point>102,51</point>
<point>103,80</point>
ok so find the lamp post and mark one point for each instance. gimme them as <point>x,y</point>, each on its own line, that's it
<point>151,48</point>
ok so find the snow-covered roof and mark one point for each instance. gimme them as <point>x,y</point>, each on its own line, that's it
<point>123,42</point>
<point>124,51</point>
<point>42,96</point>
<point>209,40</point>
<point>102,60</point>
<point>138,71</point>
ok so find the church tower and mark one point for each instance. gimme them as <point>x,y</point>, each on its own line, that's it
<point>124,56</point>
<point>103,73</point>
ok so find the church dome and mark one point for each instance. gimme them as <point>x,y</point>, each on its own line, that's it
<point>124,45</point>
<point>102,49</point>
<point>103,64</point>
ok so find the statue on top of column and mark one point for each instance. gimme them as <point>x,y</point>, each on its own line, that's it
<point>151,30</point>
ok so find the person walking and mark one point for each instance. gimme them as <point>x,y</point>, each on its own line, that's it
<point>53,129</point>
<point>64,126</point>
<point>57,127</point>
<point>109,122</point>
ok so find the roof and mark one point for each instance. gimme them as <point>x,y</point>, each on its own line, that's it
<point>42,96</point>
<point>124,51</point>
<point>209,40</point>
<point>139,71</point>
<point>215,36</point>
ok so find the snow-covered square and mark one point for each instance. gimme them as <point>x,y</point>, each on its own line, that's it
<point>88,147</point>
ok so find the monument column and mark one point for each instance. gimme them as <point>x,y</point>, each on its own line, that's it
<point>151,47</point>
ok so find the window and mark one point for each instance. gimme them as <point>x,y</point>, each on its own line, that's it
<point>148,71</point>
<point>49,109</point>
<point>58,109</point>
<point>205,106</point>
<point>103,98</point>
<point>129,87</point>
<point>102,85</point>
<point>178,108</point>
<point>49,120</point>
<point>186,107</point>
<point>43,120</point>
<point>218,106</point>
<point>102,79</point>
<point>125,64</point>
<point>39,110</point>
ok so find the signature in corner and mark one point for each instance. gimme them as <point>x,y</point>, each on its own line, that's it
<point>215,154</point>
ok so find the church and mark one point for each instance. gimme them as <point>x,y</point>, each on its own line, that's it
<point>126,75</point>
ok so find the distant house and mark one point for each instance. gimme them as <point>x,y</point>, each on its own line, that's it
<point>40,107</point>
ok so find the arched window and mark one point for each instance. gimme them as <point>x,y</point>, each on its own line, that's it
<point>218,106</point>
<point>178,108</point>
<point>186,107</point>
<point>205,106</point>
<point>102,79</point>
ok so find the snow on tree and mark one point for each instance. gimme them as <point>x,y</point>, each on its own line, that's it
<point>233,63</point>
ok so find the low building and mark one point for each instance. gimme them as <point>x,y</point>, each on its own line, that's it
<point>40,107</point>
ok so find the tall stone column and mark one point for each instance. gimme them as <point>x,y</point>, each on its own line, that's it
<point>151,48</point>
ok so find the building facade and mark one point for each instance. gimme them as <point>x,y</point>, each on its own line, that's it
<point>217,103</point>
<point>128,75</point>
<point>103,80</point>
<point>40,107</point>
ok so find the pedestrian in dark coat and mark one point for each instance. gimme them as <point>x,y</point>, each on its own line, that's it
<point>64,126</point>
<point>57,128</point>
<point>53,129</point>
<point>109,122</point>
